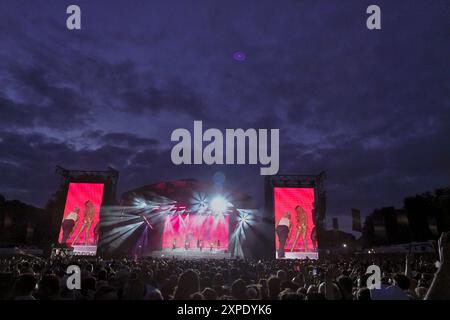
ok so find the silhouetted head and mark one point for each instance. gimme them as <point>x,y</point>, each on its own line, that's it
<point>48,287</point>
<point>188,284</point>
<point>24,285</point>
<point>239,289</point>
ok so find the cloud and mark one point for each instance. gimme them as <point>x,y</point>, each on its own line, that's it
<point>28,160</point>
<point>122,139</point>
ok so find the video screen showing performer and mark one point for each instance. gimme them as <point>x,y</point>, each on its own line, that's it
<point>81,217</point>
<point>295,235</point>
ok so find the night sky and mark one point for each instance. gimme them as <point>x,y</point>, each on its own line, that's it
<point>371,108</point>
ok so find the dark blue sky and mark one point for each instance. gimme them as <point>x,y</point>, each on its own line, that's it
<point>372,109</point>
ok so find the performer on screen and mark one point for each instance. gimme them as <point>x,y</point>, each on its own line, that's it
<point>301,229</point>
<point>96,232</point>
<point>174,244</point>
<point>68,224</point>
<point>89,213</point>
<point>314,238</point>
<point>283,229</point>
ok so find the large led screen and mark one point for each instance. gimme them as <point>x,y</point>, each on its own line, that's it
<point>80,224</point>
<point>295,235</point>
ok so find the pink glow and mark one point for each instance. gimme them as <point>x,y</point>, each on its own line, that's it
<point>194,227</point>
<point>77,195</point>
<point>286,199</point>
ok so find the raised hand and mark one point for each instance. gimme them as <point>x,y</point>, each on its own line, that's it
<point>444,253</point>
<point>441,281</point>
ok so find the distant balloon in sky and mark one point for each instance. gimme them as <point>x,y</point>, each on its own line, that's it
<point>239,56</point>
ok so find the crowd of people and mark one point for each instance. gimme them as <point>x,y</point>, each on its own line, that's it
<point>329,278</point>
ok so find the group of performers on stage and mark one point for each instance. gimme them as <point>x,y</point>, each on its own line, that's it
<point>284,229</point>
<point>200,244</point>
<point>70,222</point>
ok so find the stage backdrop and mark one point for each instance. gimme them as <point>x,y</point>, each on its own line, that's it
<point>286,199</point>
<point>212,229</point>
<point>77,196</point>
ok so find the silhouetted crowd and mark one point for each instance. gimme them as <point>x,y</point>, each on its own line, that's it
<point>330,278</point>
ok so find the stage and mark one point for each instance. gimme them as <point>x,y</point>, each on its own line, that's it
<point>191,254</point>
<point>300,255</point>
<point>87,250</point>
<point>219,254</point>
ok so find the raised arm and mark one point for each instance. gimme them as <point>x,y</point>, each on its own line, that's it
<point>440,287</point>
<point>409,262</point>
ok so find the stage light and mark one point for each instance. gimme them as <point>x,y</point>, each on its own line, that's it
<point>199,203</point>
<point>219,204</point>
<point>147,222</point>
<point>139,203</point>
<point>344,245</point>
<point>115,237</point>
<point>245,217</point>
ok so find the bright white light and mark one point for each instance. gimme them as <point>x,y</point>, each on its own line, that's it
<point>199,203</point>
<point>140,203</point>
<point>344,245</point>
<point>219,205</point>
<point>243,218</point>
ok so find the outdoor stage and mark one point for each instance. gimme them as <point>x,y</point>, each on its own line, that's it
<point>188,215</point>
<point>191,254</point>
